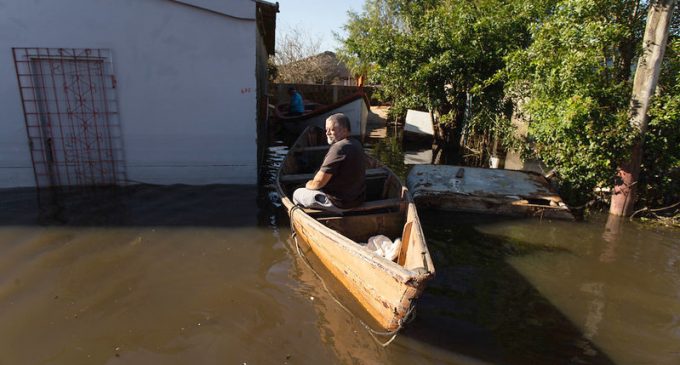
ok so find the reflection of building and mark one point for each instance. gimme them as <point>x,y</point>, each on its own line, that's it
<point>97,92</point>
<point>324,68</point>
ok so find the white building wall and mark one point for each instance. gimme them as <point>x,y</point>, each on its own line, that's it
<point>186,84</point>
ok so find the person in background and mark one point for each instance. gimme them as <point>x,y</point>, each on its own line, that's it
<point>296,107</point>
<point>340,183</point>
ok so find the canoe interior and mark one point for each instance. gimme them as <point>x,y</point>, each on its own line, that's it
<point>383,191</point>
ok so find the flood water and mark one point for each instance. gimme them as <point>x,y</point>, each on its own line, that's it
<point>209,275</point>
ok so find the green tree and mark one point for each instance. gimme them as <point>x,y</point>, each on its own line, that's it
<point>439,56</point>
<point>568,63</point>
<point>575,78</point>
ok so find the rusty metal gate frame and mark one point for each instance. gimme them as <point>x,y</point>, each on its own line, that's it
<point>71,115</point>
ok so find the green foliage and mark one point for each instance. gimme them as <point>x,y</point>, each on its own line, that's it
<point>660,175</point>
<point>575,76</point>
<point>424,54</point>
<point>389,151</point>
<point>565,65</point>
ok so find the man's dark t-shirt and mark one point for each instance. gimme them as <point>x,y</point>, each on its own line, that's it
<point>345,162</point>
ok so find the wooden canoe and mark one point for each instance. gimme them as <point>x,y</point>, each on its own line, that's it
<point>355,107</point>
<point>282,109</point>
<point>385,289</point>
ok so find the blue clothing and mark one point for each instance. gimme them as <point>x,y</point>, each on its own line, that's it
<point>296,105</point>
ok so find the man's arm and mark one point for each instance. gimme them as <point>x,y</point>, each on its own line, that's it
<point>320,180</point>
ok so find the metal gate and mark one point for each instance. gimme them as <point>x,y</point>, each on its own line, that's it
<point>71,116</point>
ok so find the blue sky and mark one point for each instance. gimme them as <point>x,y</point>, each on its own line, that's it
<point>319,18</point>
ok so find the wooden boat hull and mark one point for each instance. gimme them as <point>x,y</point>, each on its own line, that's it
<point>283,108</point>
<point>488,191</point>
<point>384,288</point>
<point>355,107</point>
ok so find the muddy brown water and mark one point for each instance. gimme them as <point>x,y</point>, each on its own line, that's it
<point>209,275</point>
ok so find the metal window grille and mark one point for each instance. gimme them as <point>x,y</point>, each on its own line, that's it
<point>71,116</point>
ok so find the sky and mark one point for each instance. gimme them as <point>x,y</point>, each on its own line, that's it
<point>319,18</point>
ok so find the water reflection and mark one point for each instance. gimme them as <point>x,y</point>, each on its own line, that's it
<point>481,305</point>
<point>611,283</point>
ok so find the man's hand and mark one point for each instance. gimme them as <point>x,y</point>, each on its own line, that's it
<point>320,180</point>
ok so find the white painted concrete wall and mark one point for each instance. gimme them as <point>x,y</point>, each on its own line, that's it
<point>186,84</point>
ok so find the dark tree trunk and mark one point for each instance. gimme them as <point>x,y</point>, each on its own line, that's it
<point>625,190</point>
<point>455,142</point>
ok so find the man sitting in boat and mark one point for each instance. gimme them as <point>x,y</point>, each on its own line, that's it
<point>340,182</point>
<point>296,106</point>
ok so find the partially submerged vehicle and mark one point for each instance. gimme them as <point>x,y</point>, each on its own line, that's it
<point>386,289</point>
<point>481,190</point>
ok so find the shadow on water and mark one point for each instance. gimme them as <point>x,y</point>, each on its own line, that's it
<point>140,205</point>
<point>217,205</point>
<point>480,306</point>
<point>137,205</point>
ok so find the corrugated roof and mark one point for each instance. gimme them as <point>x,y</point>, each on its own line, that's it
<point>266,18</point>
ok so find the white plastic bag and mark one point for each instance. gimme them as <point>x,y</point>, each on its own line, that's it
<point>384,247</point>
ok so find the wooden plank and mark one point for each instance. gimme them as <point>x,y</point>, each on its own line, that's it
<point>291,178</point>
<point>405,241</point>
<point>365,207</point>
<point>377,204</point>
